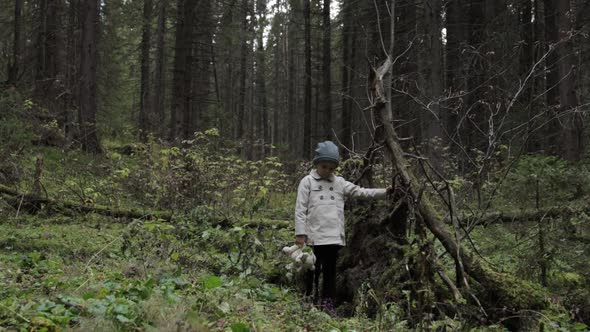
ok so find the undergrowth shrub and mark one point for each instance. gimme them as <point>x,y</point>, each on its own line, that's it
<point>207,245</point>
<point>499,179</point>
<point>544,181</point>
<point>204,171</point>
<point>15,134</point>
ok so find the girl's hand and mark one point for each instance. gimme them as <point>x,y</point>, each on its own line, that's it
<point>300,240</point>
<point>390,190</point>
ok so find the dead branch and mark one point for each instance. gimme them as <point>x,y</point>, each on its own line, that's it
<point>502,289</point>
<point>520,216</point>
<point>36,201</point>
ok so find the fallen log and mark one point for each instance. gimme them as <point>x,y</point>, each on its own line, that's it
<point>35,202</point>
<point>258,223</point>
<point>501,294</point>
<point>522,215</point>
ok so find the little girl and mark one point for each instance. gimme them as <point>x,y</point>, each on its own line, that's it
<point>319,217</point>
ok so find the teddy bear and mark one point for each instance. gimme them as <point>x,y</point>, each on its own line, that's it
<point>302,257</point>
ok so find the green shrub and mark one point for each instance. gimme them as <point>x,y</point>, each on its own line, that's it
<point>544,181</point>
<point>204,171</point>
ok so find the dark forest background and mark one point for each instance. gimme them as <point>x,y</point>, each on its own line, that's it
<point>150,152</point>
<point>286,74</point>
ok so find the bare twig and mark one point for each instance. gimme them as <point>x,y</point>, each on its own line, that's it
<point>87,266</point>
<point>16,313</point>
<point>22,197</point>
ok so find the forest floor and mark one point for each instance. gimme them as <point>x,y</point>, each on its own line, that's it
<point>62,270</point>
<point>92,273</point>
<point>82,274</point>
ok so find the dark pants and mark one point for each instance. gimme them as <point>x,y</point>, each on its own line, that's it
<point>326,257</point>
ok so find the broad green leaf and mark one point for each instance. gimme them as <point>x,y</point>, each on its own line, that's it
<point>239,327</point>
<point>212,282</point>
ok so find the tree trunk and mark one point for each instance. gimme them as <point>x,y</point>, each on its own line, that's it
<point>457,22</point>
<point>73,48</point>
<point>430,66</point>
<point>253,113</point>
<point>551,72</point>
<point>261,77</point>
<point>404,77</point>
<point>159,80</point>
<point>306,153</point>
<point>145,106</point>
<point>182,77</point>
<point>529,55</point>
<point>243,73</point>
<point>276,132</point>
<point>40,68</point>
<point>347,75</point>
<point>560,82</point>
<point>500,290</point>
<point>14,68</point>
<point>88,65</point>
<point>551,37</point>
<point>201,67</point>
<point>477,96</point>
<point>327,71</point>
<point>50,59</point>
<point>46,47</point>
<point>571,138</point>
<point>291,92</point>
<point>180,55</point>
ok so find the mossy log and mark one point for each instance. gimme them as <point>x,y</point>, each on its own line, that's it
<point>498,290</point>
<point>34,202</point>
<point>520,216</point>
<point>257,223</point>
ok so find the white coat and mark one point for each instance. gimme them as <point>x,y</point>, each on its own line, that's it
<point>319,210</point>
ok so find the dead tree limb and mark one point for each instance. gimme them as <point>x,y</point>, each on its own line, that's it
<point>521,216</point>
<point>36,201</point>
<point>500,290</point>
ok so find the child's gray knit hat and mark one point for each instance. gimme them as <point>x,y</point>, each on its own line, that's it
<point>326,151</point>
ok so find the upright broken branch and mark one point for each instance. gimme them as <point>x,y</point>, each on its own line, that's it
<point>500,290</point>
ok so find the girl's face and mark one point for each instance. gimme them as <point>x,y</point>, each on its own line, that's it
<point>325,168</point>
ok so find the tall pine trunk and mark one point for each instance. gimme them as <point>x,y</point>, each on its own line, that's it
<point>307,91</point>
<point>457,23</point>
<point>243,73</point>
<point>182,77</point>
<point>73,48</point>
<point>347,75</point>
<point>571,138</point>
<point>201,67</point>
<point>528,57</point>
<point>145,106</point>
<point>430,63</point>
<point>326,69</point>
<point>49,58</point>
<point>261,78</point>
<point>566,128</point>
<point>291,95</point>
<point>89,17</point>
<point>159,80</point>
<point>14,67</point>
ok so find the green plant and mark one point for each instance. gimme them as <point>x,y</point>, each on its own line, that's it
<point>204,171</point>
<point>538,181</point>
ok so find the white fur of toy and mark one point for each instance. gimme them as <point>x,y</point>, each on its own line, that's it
<point>302,261</point>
